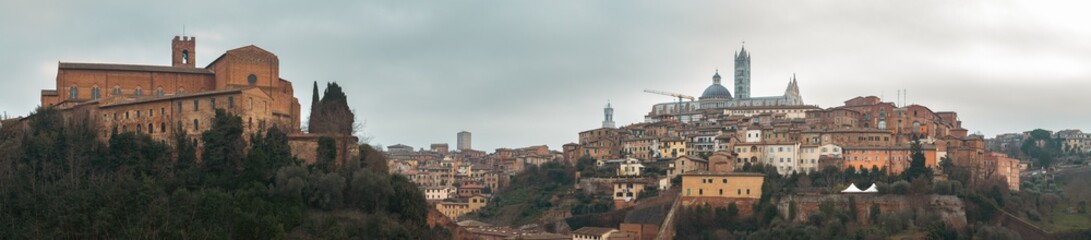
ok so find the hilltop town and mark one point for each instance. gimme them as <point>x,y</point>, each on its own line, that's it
<point>722,151</point>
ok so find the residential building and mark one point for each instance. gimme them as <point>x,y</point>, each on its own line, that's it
<point>719,189</point>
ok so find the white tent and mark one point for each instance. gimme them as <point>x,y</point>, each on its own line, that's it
<point>872,189</point>
<point>852,189</point>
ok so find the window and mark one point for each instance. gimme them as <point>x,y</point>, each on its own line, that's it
<point>159,91</point>
<point>163,127</point>
<point>230,102</point>
<point>252,79</point>
<point>213,102</point>
<point>179,106</point>
<point>137,114</point>
<point>72,93</point>
<point>196,125</point>
<point>185,56</point>
<point>138,92</point>
<point>151,113</point>
<point>117,91</point>
<point>95,92</point>
<point>151,128</point>
<point>196,105</point>
<point>181,91</point>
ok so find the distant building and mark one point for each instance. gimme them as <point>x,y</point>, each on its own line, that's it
<point>608,122</point>
<point>1000,166</point>
<point>626,191</point>
<point>685,164</point>
<point>464,141</point>
<point>440,148</point>
<point>630,167</point>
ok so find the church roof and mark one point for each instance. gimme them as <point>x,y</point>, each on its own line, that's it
<point>131,67</point>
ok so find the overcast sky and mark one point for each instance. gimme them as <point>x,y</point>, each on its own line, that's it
<point>520,73</point>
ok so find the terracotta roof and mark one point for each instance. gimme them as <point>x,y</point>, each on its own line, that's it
<point>707,173</point>
<point>132,67</point>
<point>171,97</point>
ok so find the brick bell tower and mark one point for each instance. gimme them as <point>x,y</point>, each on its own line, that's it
<point>183,51</point>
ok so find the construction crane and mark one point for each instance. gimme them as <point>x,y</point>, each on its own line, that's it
<point>680,96</point>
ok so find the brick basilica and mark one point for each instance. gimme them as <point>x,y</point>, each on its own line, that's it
<point>161,101</point>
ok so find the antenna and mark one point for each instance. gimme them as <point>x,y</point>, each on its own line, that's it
<point>183,30</point>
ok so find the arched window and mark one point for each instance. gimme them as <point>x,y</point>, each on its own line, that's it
<point>117,90</point>
<point>151,128</point>
<point>181,91</point>
<point>159,91</point>
<point>138,92</point>
<point>163,127</point>
<point>72,92</point>
<point>196,125</point>
<point>185,56</point>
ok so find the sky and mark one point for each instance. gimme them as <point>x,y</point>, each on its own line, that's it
<point>522,73</point>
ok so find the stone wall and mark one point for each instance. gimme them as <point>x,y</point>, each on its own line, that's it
<point>950,208</point>
<point>305,147</point>
<point>745,205</point>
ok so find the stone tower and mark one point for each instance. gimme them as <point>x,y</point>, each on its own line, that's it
<point>742,74</point>
<point>608,122</point>
<point>183,52</point>
<point>464,141</point>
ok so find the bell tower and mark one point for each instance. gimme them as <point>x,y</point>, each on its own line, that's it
<point>742,74</point>
<point>183,51</point>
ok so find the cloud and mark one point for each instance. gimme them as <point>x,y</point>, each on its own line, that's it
<point>526,73</point>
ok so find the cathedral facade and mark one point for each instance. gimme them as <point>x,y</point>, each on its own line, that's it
<point>161,101</point>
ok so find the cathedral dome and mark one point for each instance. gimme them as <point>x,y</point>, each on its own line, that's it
<point>716,90</point>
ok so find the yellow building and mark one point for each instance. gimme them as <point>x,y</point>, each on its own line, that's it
<point>720,188</point>
<point>672,148</point>
<point>453,210</point>
<point>626,191</point>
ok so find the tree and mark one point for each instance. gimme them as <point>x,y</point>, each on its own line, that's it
<point>372,159</point>
<point>224,147</point>
<point>327,153</point>
<point>1041,147</point>
<point>331,115</point>
<point>917,167</point>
